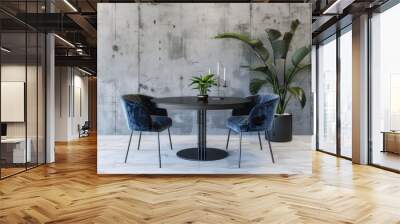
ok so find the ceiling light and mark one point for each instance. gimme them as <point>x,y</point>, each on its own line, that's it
<point>65,41</point>
<point>5,50</point>
<point>70,5</point>
<point>84,71</point>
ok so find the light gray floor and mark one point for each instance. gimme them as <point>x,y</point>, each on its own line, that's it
<point>290,158</point>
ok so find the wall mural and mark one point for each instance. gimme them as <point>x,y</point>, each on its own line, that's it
<point>158,49</point>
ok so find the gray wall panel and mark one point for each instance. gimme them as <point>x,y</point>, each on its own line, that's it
<point>155,49</point>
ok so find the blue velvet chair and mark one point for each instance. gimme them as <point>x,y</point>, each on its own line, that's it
<point>245,111</point>
<point>260,118</point>
<point>143,115</point>
<point>151,108</point>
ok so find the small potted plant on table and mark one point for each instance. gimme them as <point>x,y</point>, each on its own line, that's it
<point>203,84</point>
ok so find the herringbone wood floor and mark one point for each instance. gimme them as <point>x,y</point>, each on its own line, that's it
<point>70,191</point>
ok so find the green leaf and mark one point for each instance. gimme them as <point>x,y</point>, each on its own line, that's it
<point>256,85</point>
<point>208,77</point>
<point>255,44</point>
<point>270,76</point>
<point>273,34</point>
<point>300,54</point>
<point>294,25</point>
<point>262,69</point>
<point>299,94</point>
<point>293,71</point>
<point>281,46</point>
<point>197,79</point>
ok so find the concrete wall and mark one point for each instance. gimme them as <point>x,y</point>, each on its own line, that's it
<point>155,49</point>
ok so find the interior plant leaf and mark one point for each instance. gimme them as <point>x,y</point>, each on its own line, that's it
<point>269,76</point>
<point>279,78</point>
<point>294,25</point>
<point>256,44</point>
<point>273,34</point>
<point>293,71</point>
<point>300,54</point>
<point>203,83</point>
<point>256,85</point>
<point>299,94</point>
<point>281,46</point>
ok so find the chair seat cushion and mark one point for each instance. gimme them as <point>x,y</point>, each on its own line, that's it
<point>238,123</point>
<point>160,123</point>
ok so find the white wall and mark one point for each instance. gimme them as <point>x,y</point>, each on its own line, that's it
<point>71,102</point>
<point>33,127</point>
<point>17,73</point>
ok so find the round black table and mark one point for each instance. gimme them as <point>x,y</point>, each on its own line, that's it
<point>202,152</point>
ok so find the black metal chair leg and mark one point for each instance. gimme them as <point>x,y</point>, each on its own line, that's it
<point>240,148</point>
<point>140,138</point>
<point>270,148</point>
<point>129,145</point>
<point>159,152</point>
<point>170,142</point>
<point>227,142</point>
<point>259,140</point>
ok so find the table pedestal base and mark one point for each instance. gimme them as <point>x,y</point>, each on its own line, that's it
<point>211,154</point>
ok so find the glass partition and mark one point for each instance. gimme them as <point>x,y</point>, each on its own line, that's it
<point>385,89</point>
<point>327,96</point>
<point>22,78</point>
<point>13,114</point>
<point>334,101</point>
<point>346,93</point>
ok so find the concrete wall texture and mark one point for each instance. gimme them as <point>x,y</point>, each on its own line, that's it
<point>155,49</point>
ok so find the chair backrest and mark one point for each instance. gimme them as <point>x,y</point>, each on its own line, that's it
<point>261,116</point>
<point>151,107</point>
<point>86,125</point>
<point>136,113</point>
<point>246,110</point>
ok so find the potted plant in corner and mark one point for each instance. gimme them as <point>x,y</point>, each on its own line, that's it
<point>278,72</point>
<point>203,84</point>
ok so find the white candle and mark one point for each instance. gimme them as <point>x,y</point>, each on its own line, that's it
<point>218,69</point>
<point>224,74</point>
<point>209,70</point>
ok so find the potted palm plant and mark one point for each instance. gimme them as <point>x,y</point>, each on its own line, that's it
<point>277,71</point>
<point>203,84</point>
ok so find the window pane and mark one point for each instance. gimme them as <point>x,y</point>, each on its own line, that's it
<point>346,94</point>
<point>385,84</point>
<point>15,151</point>
<point>327,96</point>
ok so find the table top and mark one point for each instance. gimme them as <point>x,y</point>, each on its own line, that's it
<point>193,103</point>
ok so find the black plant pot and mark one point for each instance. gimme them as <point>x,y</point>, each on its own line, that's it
<point>282,129</point>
